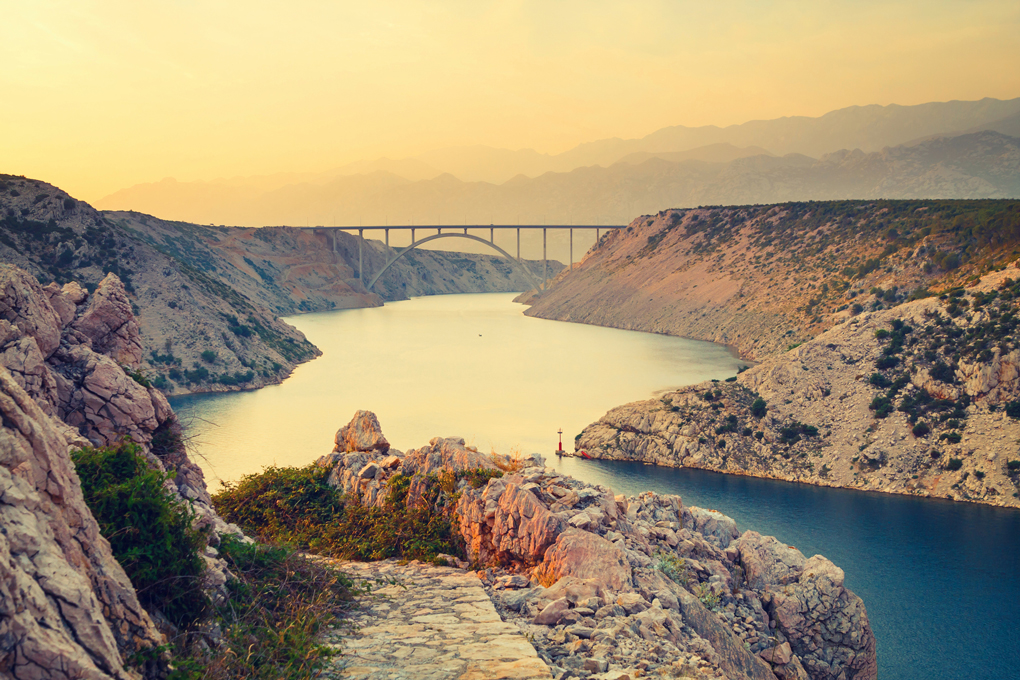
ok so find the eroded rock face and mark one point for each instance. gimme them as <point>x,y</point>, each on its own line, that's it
<point>68,610</point>
<point>52,344</point>
<point>825,624</point>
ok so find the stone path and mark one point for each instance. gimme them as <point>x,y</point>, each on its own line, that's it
<point>434,623</point>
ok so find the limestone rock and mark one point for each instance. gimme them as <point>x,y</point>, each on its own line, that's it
<point>714,526</point>
<point>553,612</point>
<point>767,561</point>
<point>68,608</point>
<point>108,322</point>
<point>825,623</point>
<point>505,524</point>
<point>363,434</point>
<point>26,306</point>
<point>588,556</point>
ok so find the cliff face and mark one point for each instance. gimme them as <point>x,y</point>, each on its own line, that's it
<point>645,581</point>
<point>68,362</point>
<point>762,278</point>
<point>921,399</point>
<point>205,299</point>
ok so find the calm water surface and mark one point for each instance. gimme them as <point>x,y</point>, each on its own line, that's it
<point>941,580</point>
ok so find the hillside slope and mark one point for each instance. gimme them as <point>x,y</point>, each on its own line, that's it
<point>762,278</point>
<point>207,298</point>
<point>921,399</point>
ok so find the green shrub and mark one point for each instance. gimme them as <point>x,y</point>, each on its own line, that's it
<point>951,437</point>
<point>759,408</point>
<point>921,429</point>
<point>137,376</point>
<point>1013,466</point>
<point>954,464</point>
<point>297,507</point>
<point>673,566</point>
<point>1013,409</point>
<point>149,531</point>
<point>209,356</point>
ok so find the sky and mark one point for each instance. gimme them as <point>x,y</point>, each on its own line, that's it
<point>100,95</point>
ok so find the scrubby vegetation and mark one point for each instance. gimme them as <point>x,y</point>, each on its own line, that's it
<point>298,507</point>
<point>277,606</point>
<point>150,533</point>
<point>274,609</point>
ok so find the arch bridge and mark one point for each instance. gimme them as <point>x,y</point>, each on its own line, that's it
<point>462,232</point>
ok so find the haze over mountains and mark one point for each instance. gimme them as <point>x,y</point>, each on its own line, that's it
<point>936,150</point>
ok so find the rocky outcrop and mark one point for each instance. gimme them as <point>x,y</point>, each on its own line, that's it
<point>363,433</point>
<point>919,399</point>
<point>109,324</point>
<point>68,610</point>
<point>608,584</point>
<point>64,358</point>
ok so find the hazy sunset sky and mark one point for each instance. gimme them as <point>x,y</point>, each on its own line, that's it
<point>102,95</point>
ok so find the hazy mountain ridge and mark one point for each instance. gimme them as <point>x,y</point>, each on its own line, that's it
<point>977,165</point>
<point>869,128</point>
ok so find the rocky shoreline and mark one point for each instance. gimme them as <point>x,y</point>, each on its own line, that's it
<point>604,584</point>
<point>922,399</point>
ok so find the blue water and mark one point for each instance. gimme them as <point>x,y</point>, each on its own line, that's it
<point>940,580</point>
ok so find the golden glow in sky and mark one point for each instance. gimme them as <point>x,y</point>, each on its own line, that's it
<point>105,94</point>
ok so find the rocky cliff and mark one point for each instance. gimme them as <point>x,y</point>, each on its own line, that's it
<point>601,582</point>
<point>762,278</point>
<point>206,298</point>
<point>920,399</point>
<point>68,379</point>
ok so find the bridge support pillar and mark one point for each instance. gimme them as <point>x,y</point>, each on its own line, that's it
<point>518,244</point>
<point>412,236</point>
<point>571,248</point>
<point>492,235</point>
<point>597,230</point>
<point>387,238</point>
<point>361,270</point>
<point>545,268</point>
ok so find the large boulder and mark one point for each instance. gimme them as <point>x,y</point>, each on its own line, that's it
<point>766,561</point>
<point>362,434</point>
<point>584,555</point>
<point>505,523</point>
<point>109,324</point>
<point>26,306</point>
<point>20,354</point>
<point>716,527</point>
<point>67,609</point>
<point>826,624</point>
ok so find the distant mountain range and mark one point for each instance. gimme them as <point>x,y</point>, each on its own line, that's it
<point>937,150</point>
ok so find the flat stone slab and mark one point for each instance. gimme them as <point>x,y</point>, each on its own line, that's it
<point>430,623</point>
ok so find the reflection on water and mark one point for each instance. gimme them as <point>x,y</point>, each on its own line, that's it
<point>941,580</point>
<point>471,366</point>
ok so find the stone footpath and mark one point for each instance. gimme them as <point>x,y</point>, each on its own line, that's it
<point>430,623</point>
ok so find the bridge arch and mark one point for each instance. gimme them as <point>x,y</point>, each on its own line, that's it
<point>527,272</point>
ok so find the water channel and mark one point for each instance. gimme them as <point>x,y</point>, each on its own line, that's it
<point>941,580</point>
